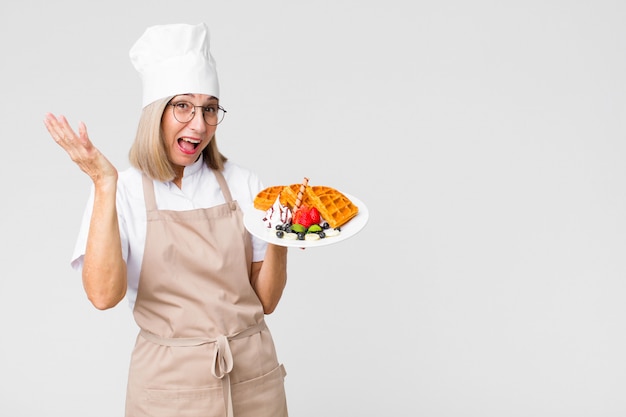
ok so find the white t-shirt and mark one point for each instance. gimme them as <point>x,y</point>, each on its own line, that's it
<point>199,190</point>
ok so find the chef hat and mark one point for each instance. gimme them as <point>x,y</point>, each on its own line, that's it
<point>175,59</point>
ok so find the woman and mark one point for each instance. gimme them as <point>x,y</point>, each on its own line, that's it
<point>168,235</point>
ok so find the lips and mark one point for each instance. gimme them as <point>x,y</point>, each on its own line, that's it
<point>188,145</point>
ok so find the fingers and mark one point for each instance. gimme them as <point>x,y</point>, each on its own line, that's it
<point>79,148</point>
<point>67,132</point>
<point>82,133</point>
<point>59,129</point>
<point>82,129</point>
<point>63,134</point>
<point>52,125</point>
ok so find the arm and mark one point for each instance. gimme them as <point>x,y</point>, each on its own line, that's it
<point>104,269</point>
<point>269,277</point>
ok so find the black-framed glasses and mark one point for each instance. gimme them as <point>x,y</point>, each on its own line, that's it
<point>185,111</point>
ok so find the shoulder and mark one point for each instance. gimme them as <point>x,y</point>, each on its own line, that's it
<point>241,177</point>
<point>244,183</point>
<point>129,179</point>
<point>129,186</point>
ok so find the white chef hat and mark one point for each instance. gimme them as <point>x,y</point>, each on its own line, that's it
<point>175,59</point>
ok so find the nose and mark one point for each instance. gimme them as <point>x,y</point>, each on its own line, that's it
<point>197,121</point>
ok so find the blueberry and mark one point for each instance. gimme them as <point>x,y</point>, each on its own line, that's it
<point>280,234</point>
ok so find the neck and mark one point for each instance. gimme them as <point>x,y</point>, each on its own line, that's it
<point>178,179</point>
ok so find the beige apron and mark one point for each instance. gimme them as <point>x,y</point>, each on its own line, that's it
<point>204,349</point>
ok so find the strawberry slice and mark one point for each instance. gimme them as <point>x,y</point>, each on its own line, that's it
<point>306,216</point>
<point>314,216</point>
<point>300,216</point>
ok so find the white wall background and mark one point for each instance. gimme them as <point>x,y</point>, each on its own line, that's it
<point>487,139</point>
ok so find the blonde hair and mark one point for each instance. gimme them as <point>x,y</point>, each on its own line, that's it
<point>148,153</point>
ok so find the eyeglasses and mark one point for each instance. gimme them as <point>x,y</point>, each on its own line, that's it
<point>184,112</point>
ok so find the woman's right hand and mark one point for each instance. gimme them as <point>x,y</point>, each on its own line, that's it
<point>80,149</point>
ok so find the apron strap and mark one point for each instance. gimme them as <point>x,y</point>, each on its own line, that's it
<point>197,341</point>
<point>225,190</point>
<point>148,192</point>
<point>222,365</point>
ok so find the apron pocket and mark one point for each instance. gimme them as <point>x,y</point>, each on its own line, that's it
<point>263,396</point>
<point>200,402</point>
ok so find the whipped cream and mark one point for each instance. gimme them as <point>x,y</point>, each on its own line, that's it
<point>277,214</point>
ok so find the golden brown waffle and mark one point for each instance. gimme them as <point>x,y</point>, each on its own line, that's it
<point>334,207</point>
<point>267,197</point>
<point>289,195</point>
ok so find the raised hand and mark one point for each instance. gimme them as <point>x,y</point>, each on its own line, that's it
<point>80,149</point>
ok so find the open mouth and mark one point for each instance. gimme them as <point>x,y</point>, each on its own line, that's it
<point>188,145</point>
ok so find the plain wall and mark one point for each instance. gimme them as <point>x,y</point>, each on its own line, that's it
<point>486,139</point>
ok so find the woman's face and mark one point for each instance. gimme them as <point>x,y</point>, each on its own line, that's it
<point>186,140</point>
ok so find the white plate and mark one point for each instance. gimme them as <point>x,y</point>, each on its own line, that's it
<point>253,220</point>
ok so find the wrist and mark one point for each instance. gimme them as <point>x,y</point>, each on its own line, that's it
<point>105,183</point>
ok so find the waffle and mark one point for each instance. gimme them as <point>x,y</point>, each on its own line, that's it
<point>267,197</point>
<point>334,207</point>
<point>289,196</point>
